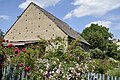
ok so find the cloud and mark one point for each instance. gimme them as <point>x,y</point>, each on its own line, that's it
<point>4,17</point>
<point>111,25</point>
<point>111,17</point>
<point>92,7</point>
<point>103,23</point>
<point>42,3</point>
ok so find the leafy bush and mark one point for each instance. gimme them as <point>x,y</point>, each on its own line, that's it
<point>51,60</point>
<point>46,60</point>
<point>114,72</point>
<point>97,53</point>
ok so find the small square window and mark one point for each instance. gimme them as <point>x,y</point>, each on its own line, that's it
<point>38,36</point>
<point>53,34</point>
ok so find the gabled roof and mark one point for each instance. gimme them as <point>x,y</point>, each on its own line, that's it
<point>59,23</point>
<point>62,25</point>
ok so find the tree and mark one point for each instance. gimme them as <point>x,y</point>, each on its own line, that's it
<point>97,36</point>
<point>1,33</point>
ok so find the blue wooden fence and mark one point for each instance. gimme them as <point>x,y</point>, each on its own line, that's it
<point>97,76</point>
<point>8,74</point>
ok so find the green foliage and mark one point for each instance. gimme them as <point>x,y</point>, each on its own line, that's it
<point>114,72</point>
<point>112,51</point>
<point>97,36</point>
<point>1,33</point>
<point>103,65</point>
<point>53,59</point>
<point>97,54</point>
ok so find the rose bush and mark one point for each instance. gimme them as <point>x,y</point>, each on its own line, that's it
<point>45,61</point>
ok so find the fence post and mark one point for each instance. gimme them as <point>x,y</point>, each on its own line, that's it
<point>115,78</point>
<point>95,76</point>
<point>100,77</point>
<point>111,77</point>
<point>103,77</point>
<point>88,75</point>
<point>108,77</point>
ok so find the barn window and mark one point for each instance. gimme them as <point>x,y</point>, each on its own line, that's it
<point>26,20</point>
<point>50,25</point>
<point>31,32</point>
<point>39,13</point>
<point>19,33</point>
<point>39,18</point>
<point>46,30</point>
<point>26,15</point>
<point>39,26</point>
<point>25,27</point>
<point>53,34</point>
<point>11,32</point>
<point>38,36</point>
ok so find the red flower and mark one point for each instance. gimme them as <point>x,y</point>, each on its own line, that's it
<point>21,65</point>
<point>10,45</point>
<point>7,41</point>
<point>27,69</point>
<point>18,55</point>
<point>28,75</point>
<point>23,49</point>
<point>17,50</point>
<point>3,40</point>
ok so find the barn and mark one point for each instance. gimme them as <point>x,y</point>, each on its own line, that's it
<point>35,23</point>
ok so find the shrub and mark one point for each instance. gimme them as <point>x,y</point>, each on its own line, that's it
<point>97,53</point>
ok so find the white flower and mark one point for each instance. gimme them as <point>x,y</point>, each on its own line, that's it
<point>58,71</point>
<point>52,72</point>
<point>54,62</point>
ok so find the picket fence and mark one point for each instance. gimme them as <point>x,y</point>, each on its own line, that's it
<point>97,76</point>
<point>8,74</point>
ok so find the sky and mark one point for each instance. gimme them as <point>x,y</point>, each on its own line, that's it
<point>79,14</point>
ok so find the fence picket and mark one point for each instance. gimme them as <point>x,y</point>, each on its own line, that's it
<point>8,75</point>
<point>103,77</point>
<point>108,77</point>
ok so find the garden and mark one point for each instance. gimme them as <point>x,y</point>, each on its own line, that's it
<point>34,62</point>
